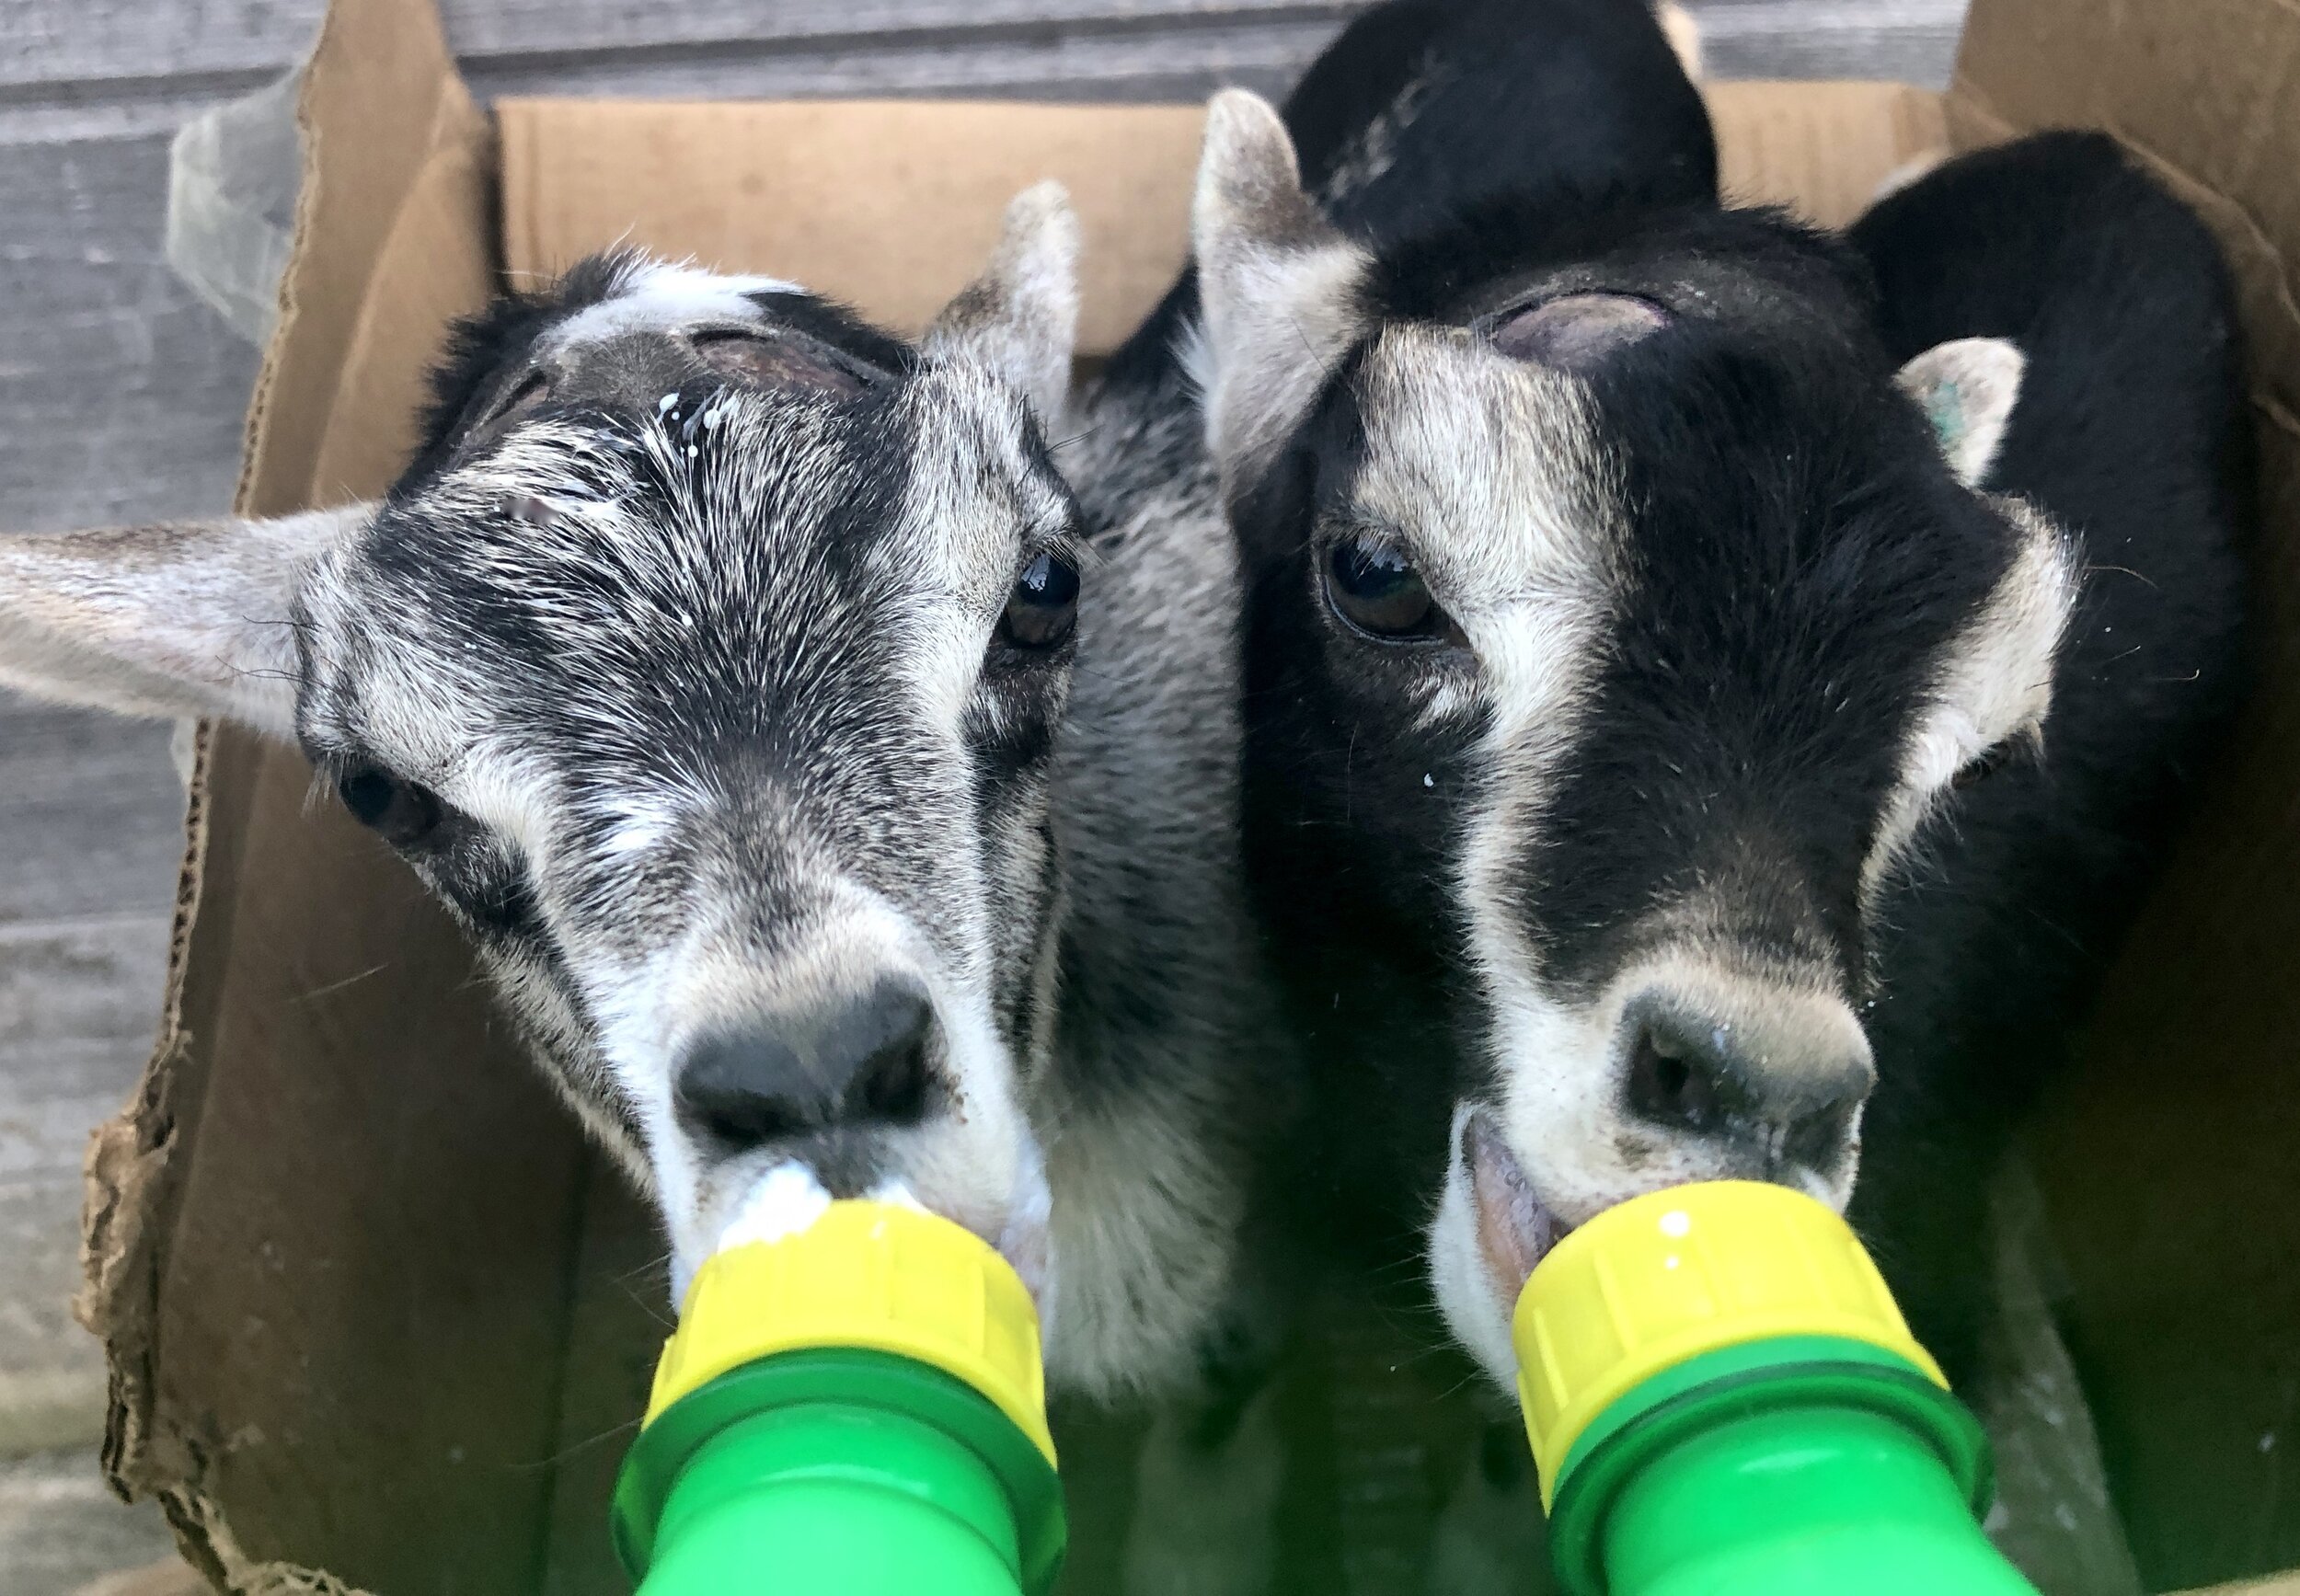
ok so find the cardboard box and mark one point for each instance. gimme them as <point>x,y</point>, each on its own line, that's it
<point>374,1308</point>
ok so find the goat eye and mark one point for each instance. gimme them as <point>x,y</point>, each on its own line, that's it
<point>400,812</point>
<point>1043,605</point>
<point>1377,590</point>
<point>1981,766</point>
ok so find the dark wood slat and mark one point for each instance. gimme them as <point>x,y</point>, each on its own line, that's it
<point>1054,63</point>
<point>90,815</point>
<point>126,47</point>
<point>1913,41</point>
<point>121,394</point>
<point>60,1528</point>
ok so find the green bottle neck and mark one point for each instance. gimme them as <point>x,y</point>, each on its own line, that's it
<point>1799,1467</point>
<point>1819,1500</point>
<point>836,1469</point>
<point>834,1496</point>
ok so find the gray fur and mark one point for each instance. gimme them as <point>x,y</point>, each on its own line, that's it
<point>677,669</point>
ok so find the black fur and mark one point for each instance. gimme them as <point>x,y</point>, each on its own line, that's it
<point>2132,432</point>
<point>1797,557</point>
<point>1516,98</point>
<point>1350,839</point>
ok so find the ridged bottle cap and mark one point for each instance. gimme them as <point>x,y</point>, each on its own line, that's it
<point>1678,1273</point>
<point>873,1276</point>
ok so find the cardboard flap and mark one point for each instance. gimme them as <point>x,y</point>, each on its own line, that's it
<point>1821,149</point>
<point>913,189</point>
<point>2203,90</point>
<point>2169,1157</point>
<point>891,207</point>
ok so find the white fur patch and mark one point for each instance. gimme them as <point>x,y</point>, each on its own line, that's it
<point>1994,683</point>
<point>1488,472</point>
<point>1465,1290</point>
<point>1683,31</point>
<point>786,1202</point>
<point>1280,286</point>
<point>1968,389</point>
<point>663,296</point>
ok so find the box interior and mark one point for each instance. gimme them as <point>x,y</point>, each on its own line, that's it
<point>373,1306</point>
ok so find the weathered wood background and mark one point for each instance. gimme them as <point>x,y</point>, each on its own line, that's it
<point>121,395</point>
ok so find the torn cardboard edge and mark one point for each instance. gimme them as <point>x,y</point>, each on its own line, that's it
<point>132,1170</point>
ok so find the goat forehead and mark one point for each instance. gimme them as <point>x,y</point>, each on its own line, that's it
<point>1491,469</point>
<point>734,566</point>
<point>663,296</point>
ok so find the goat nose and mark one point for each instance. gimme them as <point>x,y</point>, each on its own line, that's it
<point>862,1059</point>
<point>1784,1092</point>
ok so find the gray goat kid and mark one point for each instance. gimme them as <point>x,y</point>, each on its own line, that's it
<point>715,663</point>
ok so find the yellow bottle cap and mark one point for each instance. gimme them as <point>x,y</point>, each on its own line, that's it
<point>1676,1273</point>
<point>873,1276</point>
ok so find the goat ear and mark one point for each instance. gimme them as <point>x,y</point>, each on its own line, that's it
<point>1282,289</point>
<point>1020,316</point>
<point>190,618</point>
<point>1968,389</point>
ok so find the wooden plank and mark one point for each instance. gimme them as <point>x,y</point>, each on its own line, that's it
<point>482,28</point>
<point>172,1577</point>
<point>52,1370</point>
<point>1909,41</point>
<point>121,394</point>
<point>1180,64</point>
<point>67,978</point>
<point>78,1003</point>
<point>127,47</point>
<point>90,808</point>
<point>60,1528</point>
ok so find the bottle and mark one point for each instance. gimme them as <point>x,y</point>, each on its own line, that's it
<point>857,1409</point>
<point>1724,1400</point>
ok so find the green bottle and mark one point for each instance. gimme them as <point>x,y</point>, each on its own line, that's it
<point>857,1409</point>
<point>1724,1401</point>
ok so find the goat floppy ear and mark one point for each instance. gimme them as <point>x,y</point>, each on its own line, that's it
<point>1968,389</point>
<point>1020,316</point>
<point>183,619</point>
<point>1282,289</point>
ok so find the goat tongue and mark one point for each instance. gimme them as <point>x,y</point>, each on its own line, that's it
<point>1516,1232</point>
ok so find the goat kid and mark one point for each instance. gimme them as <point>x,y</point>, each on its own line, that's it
<point>1669,723</point>
<point>726,667</point>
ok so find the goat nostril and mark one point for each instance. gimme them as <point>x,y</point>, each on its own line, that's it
<point>1819,1139</point>
<point>1818,1130</point>
<point>723,1090</point>
<point>895,1085</point>
<point>1671,1084</point>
